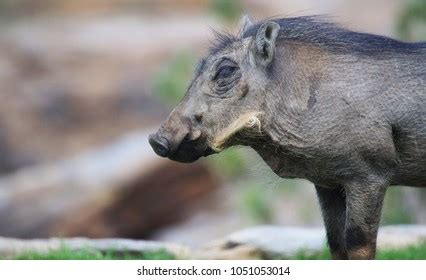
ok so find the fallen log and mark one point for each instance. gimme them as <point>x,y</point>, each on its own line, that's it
<point>121,190</point>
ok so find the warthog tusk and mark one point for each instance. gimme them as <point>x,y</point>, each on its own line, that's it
<point>247,120</point>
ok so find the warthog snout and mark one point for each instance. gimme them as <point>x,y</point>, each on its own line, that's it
<point>179,139</point>
<point>160,145</point>
<point>170,137</point>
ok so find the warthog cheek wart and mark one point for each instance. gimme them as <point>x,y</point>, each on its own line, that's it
<point>245,89</point>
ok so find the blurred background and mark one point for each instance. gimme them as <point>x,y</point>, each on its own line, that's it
<point>83,83</point>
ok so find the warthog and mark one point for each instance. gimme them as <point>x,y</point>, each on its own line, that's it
<point>342,109</point>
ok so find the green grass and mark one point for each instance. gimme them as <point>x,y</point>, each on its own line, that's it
<point>303,255</point>
<point>65,253</point>
<point>417,252</point>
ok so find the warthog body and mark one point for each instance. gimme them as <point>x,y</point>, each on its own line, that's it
<point>344,110</point>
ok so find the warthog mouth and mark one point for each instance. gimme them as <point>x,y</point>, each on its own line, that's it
<point>190,151</point>
<point>243,128</point>
<point>248,123</point>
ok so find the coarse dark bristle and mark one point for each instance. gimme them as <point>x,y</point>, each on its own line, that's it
<point>316,30</point>
<point>221,41</point>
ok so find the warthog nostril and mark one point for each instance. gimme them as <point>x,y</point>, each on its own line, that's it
<point>198,117</point>
<point>187,137</point>
<point>160,145</point>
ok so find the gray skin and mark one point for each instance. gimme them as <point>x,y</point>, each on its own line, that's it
<point>344,110</point>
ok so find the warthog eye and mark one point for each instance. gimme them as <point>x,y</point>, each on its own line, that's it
<point>226,76</point>
<point>225,72</point>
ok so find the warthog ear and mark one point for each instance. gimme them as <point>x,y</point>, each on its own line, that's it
<point>245,24</point>
<point>264,45</point>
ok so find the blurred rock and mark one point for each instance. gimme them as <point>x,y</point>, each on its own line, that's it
<point>10,247</point>
<point>398,236</point>
<point>273,241</point>
<point>266,242</point>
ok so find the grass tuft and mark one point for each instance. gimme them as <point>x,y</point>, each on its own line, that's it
<point>414,252</point>
<point>65,253</point>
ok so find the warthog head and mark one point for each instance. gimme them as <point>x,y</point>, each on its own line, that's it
<point>224,104</point>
